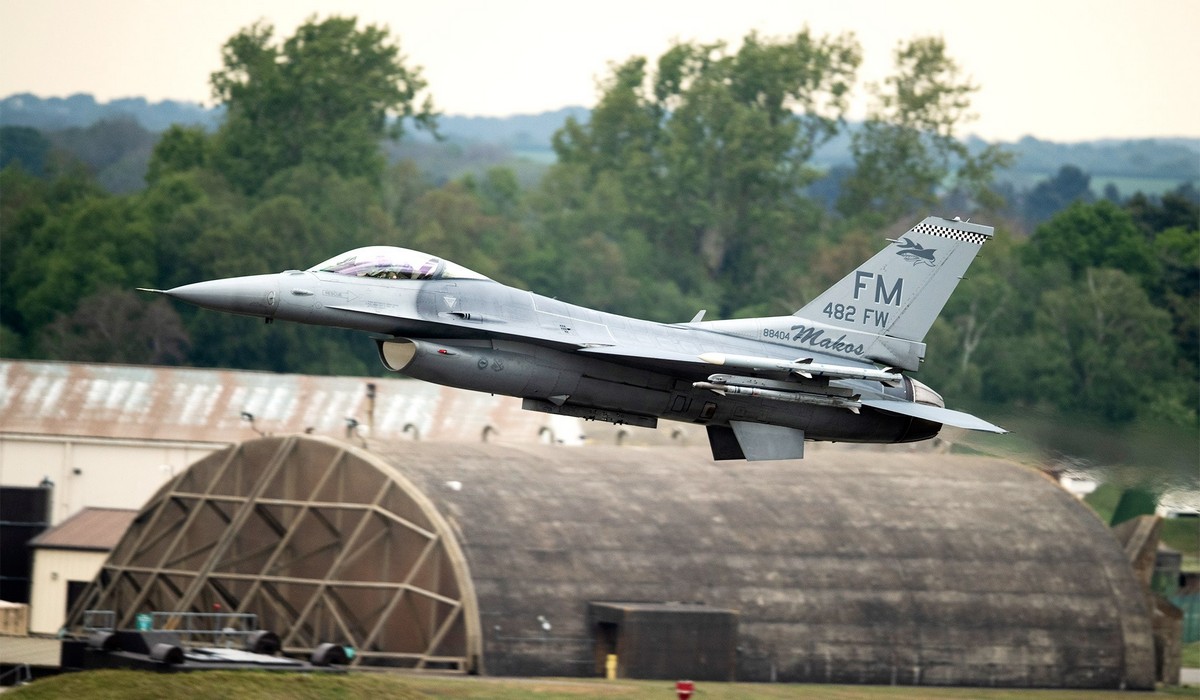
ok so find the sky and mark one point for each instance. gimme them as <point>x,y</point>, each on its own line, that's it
<point>1058,70</point>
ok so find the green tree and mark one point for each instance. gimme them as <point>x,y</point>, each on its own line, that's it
<point>908,149</point>
<point>116,325</point>
<point>1085,236</point>
<point>695,170</point>
<point>179,149</point>
<point>96,244</point>
<point>114,150</point>
<point>1105,349</point>
<point>24,208</point>
<point>37,237</point>
<point>24,145</point>
<point>1049,197</point>
<point>1178,208</point>
<point>323,98</point>
<point>186,211</point>
<point>1178,252</point>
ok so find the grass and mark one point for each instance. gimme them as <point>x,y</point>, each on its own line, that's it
<point>1180,534</point>
<point>214,685</point>
<point>262,685</point>
<point>1183,535</point>
<point>1191,655</point>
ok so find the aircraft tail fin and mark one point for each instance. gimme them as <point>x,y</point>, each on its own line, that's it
<point>901,290</point>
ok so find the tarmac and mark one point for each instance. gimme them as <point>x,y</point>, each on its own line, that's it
<point>35,651</point>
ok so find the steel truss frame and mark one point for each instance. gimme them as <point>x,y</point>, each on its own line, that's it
<point>323,541</point>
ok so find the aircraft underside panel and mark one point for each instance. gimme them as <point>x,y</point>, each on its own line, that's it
<point>590,413</point>
<point>759,441</point>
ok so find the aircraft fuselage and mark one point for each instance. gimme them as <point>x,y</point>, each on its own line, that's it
<point>484,336</point>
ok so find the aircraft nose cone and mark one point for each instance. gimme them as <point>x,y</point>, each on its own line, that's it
<point>249,296</point>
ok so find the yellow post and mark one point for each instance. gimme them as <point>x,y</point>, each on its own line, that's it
<point>610,667</point>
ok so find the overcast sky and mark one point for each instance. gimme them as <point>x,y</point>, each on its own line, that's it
<point>1062,70</point>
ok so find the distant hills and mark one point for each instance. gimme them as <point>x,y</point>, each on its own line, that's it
<point>82,110</point>
<point>1151,165</point>
<point>520,132</point>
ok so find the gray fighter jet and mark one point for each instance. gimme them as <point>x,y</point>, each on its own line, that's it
<point>834,370</point>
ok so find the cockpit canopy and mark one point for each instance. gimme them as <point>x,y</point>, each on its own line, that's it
<point>390,262</point>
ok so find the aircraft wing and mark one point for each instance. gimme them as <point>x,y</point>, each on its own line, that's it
<point>689,365</point>
<point>681,363</point>
<point>945,416</point>
<point>619,352</point>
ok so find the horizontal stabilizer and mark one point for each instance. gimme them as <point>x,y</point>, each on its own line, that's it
<point>935,414</point>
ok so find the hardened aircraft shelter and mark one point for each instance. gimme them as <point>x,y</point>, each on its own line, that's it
<point>846,567</point>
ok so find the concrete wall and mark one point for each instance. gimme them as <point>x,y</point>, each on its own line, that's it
<point>52,570</point>
<point>846,567</point>
<point>95,472</point>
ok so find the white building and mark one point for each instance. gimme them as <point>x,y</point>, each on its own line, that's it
<point>67,557</point>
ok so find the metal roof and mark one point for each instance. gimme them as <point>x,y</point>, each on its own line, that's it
<point>207,405</point>
<point>92,529</point>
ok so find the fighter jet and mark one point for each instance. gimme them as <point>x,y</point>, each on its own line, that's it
<point>834,370</point>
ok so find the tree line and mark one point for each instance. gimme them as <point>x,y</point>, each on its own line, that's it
<point>690,187</point>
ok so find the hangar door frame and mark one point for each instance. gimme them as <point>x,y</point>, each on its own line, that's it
<point>323,541</point>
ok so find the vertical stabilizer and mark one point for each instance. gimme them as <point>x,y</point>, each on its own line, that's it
<point>902,289</point>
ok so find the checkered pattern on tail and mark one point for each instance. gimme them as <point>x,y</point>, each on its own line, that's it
<point>951,233</point>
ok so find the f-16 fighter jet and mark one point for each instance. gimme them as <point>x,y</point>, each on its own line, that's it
<point>834,370</point>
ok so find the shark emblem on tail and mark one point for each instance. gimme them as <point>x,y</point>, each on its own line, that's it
<point>915,253</point>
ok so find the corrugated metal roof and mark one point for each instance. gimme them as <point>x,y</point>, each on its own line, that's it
<point>98,529</point>
<point>206,405</point>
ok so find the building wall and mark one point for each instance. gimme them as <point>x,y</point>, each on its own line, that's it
<point>95,472</point>
<point>52,570</point>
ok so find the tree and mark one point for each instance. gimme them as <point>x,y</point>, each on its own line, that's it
<point>39,233</point>
<point>1105,347</point>
<point>117,326</point>
<point>908,149</point>
<point>94,244</point>
<point>697,167</point>
<point>323,98</point>
<point>26,146</point>
<point>1049,197</point>
<point>1177,208</point>
<point>179,149</point>
<point>1096,235</point>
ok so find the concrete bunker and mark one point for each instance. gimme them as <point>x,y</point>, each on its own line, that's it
<point>849,567</point>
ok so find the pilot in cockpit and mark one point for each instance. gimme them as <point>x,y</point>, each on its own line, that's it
<point>389,262</point>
